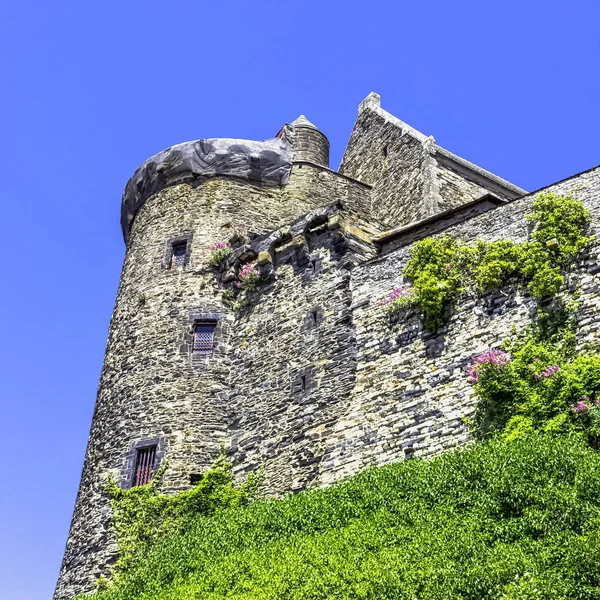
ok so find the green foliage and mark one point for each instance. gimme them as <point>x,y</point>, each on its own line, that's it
<point>543,385</point>
<point>437,271</point>
<point>241,303</point>
<point>218,252</point>
<point>398,299</point>
<point>559,224</point>
<point>142,516</point>
<point>249,277</point>
<point>400,303</point>
<point>441,269</point>
<point>496,520</point>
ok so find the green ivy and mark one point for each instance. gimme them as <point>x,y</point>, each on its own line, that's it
<point>442,269</point>
<point>143,516</point>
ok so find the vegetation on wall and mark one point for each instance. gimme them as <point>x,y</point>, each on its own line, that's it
<point>538,382</point>
<point>514,516</point>
<point>142,516</point>
<point>218,252</point>
<point>442,269</point>
<point>497,520</point>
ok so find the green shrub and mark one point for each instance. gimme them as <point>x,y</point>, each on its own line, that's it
<point>537,383</point>
<point>442,269</point>
<point>495,520</point>
<point>142,515</point>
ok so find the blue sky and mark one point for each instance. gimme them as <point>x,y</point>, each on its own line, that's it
<point>90,90</point>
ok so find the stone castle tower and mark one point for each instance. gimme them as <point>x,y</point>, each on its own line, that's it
<point>306,380</point>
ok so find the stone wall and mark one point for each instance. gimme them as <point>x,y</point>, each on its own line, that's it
<point>150,388</point>
<point>412,177</point>
<point>393,161</point>
<point>411,394</point>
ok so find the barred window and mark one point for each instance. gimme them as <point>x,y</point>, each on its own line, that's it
<point>179,254</point>
<point>204,337</point>
<point>144,465</point>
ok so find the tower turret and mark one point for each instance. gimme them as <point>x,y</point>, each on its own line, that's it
<point>165,385</point>
<point>309,143</point>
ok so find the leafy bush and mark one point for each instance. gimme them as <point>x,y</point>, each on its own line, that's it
<point>142,516</point>
<point>496,520</point>
<point>442,269</point>
<point>537,383</point>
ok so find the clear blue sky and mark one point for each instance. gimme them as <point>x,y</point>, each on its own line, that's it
<point>90,90</point>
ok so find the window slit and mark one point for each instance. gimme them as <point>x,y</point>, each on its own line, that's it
<point>179,255</point>
<point>144,467</point>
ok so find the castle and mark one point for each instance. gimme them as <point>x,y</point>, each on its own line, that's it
<point>301,375</point>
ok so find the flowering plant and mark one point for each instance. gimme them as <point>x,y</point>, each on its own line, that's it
<point>547,373</point>
<point>494,359</point>
<point>249,277</point>
<point>218,252</point>
<point>586,413</point>
<point>398,298</point>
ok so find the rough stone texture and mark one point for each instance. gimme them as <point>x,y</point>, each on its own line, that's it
<point>150,388</point>
<point>412,177</point>
<point>310,144</point>
<point>411,393</point>
<point>309,381</point>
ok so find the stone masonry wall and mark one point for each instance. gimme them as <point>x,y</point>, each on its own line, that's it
<point>411,393</point>
<point>393,162</point>
<point>412,177</point>
<point>150,389</point>
<point>310,381</point>
<point>453,189</point>
<point>294,360</point>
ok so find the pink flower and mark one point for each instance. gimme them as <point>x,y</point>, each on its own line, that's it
<point>550,370</point>
<point>219,246</point>
<point>247,270</point>
<point>397,292</point>
<point>495,359</point>
<point>580,407</point>
<point>248,277</point>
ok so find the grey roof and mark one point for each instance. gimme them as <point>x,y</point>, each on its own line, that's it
<point>268,161</point>
<point>302,121</point>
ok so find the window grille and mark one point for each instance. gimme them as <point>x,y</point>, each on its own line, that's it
<point>144,465</point>
<point>179,254</point>
<point>204,337</point>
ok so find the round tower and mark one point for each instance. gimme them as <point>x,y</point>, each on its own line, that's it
<point>310,144</point>
<point>164,388</point>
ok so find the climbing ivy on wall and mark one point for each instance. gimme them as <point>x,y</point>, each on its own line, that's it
<point>143,515</point>
<point>442,269</point>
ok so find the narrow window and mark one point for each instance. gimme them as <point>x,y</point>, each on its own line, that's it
<point>385,152</point>
<point>178,255</point>
<point>204,337</point>
<point>144,465</point>
<point>303,383</point>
